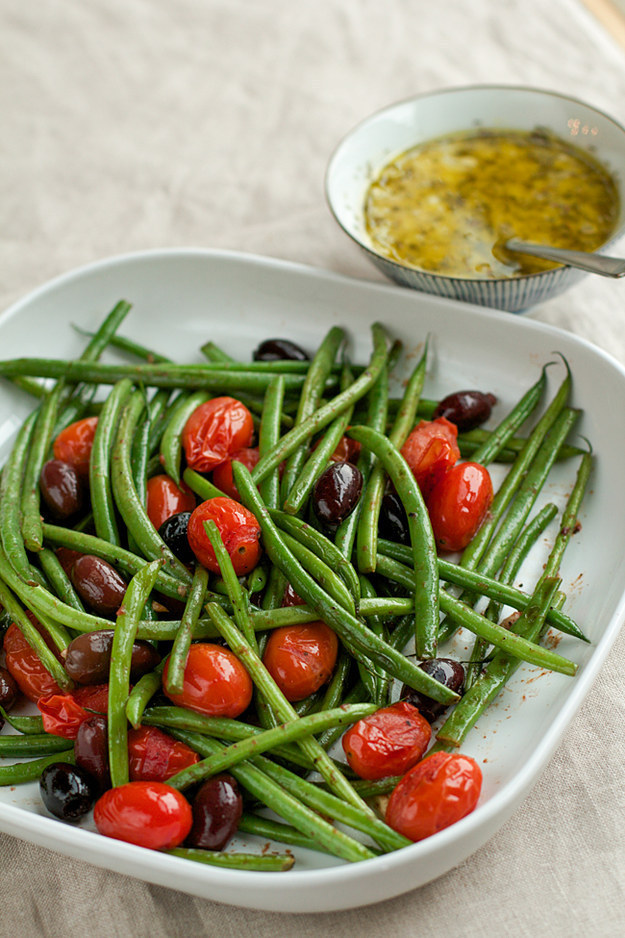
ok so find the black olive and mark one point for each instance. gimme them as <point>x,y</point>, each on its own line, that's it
<point>88,657</point>
<point>467,409</point>
<point>393,521</point>
<point>8,689</point>
<point>60,488</point>
<point>98,583</point>
<point>174,532</point>
<point>446,671</point>
<point>91,750</point>
<point>336,492</point>
<point>67,791</point>
<point>217,809</point>
<point>274,350</point>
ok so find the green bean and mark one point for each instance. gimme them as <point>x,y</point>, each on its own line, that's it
<point>134,600</point>
<point>160,407</point>
<point>30,386</point>
<point>10,497</point>
<point>357,694</point>
<point>128,345</point>
<point>180,649</point>
<point>267,863</point>
<point>212,351</point>
<point>21,772</point>
<point>171,444</point>
<point>569,516</point>
<point>381,686</point>
<point>236,594</point>
<point>41,744</point>
<point>325,414</point>
<point>321,572</point>
<point>344,624</point>
<point>470,441</point>
<point>250,823</point>
<point>257,580</point>
<point>201,486</point>
<point>102,502</point>
<point>28,725</point>
<point>59,579</point>
<point>268,438</point>
<point>141,694</point>
<point>421,537</point>
<point>39,445</point>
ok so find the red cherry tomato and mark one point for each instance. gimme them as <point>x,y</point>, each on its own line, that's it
<point>301,658</point>
<point>389,742</point>
<point>165,499</point>
<point>153,756</point>
<point>458,503</point>
<point>430,450</point>
<point>64,714</point>
<point>239,529</point>
<point>149,814</point>
<point>214,431</point>
<point>93,697</point>
<point>73,444</point>
<point>23,664</point>
<point>437,792</point>
<point>222,474</point>
<point>347,450</point>
<point>215,682</point>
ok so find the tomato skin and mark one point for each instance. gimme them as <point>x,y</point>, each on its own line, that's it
<point>215,682</point>
<point>222,474</point>
<point>149,814</point>
<point>437,792</point>
<point>389,742</point>
<point>153,756</point>
<point>458,504</point>
<point>347,450</point>
<point>64,714</point>
<point>301,658</point>
<point>214,431</point>
<point>430,450</point>
<point>73,444</point>
<point>24,666</point>
<point>165,498</point>
<point>239,529</point>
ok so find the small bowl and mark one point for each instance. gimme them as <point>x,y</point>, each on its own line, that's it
<point>380,138</point>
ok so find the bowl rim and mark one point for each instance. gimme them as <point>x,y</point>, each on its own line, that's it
<point>616,235</point>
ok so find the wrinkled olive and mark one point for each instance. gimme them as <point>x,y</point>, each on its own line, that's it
<point>60,488</point>
<point>98,583</point>
<point>217,809</point>
<point>446,671</point>
<point>174,532</point>
<point>393,521</point>
<point>91,750</point>
<point>467,409</point>
<point>336,492</point>
<point>273,350</point>
<point>67,791</point>
<point>8,689</point>
<point>89,655</point>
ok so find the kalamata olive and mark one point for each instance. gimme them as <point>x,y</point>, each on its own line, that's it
<point>291,598</point>
<point>91,750</point>
<point>67,791</point>
<point>98,583</point>
<point>88,657</point>
<point>336,492</point>
<point>61,489</point>
<point>467,409</point>
<point>446,671</point>
<point>174,532</point>
<point>393,521</point>
<point>217,809</point>
<point>8,689</point>
<point>274,350</point>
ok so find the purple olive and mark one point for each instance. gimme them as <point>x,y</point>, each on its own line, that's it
<point>273,350</point>
<point>67,791</point>
<point>61,488</point>
<point>467,409</point>
<point>8,689</point>
<point>393,521</point>
<point>446,671</point>
<point>336,492</point>
<point>88,657</point>
<point>91,750</point>
<point>217,809</point>
<point>98,583</point>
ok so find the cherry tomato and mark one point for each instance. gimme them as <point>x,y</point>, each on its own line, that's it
<point>149,814</point>
<point>430,450</point>
<point>24,666</point>
<point>301,658</point>
<point>94,697</point>
<point>73,444</point>
<point>437,792</point>
<point>347,450</point>
<point>214,431</point>
<point>215,682</point>
<point>239,529</point>
<point>389,742</point>
<point>153,756</point>
<point>165,499</point>
<point>222,474</point>
<point>458,503</point>
<point>64,714</point>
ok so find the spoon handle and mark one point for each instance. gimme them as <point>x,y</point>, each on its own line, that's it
<point>594,263</point>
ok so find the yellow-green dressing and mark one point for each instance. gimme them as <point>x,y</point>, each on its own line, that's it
<point>448,205</point>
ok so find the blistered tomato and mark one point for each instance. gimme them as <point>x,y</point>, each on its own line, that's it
<point>458,504</point>
<point>73,445</point>
<point>149,814</point>
<point>165,498</point>
<point>153,756</point>
<point>64,714</point>
<point>437,792</point>
<point>301,658</point>
<point>24,665</point>
<point>222,474</point>
<point>239,529</point>
<point>214,431</point>
<point>389,742</point>
<point>430,450</point>
<point>215,682</point>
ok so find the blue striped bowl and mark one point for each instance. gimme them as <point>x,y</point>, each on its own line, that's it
<point>377,140</point>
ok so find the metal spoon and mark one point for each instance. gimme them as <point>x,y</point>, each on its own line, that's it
<point>594,263</point>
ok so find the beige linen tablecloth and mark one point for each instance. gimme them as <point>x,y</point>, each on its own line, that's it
<point>131,124</point>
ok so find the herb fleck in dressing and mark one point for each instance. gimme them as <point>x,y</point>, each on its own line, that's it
<point>449,205</point>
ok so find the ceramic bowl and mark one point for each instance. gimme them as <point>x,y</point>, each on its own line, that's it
<point>380,138</point>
